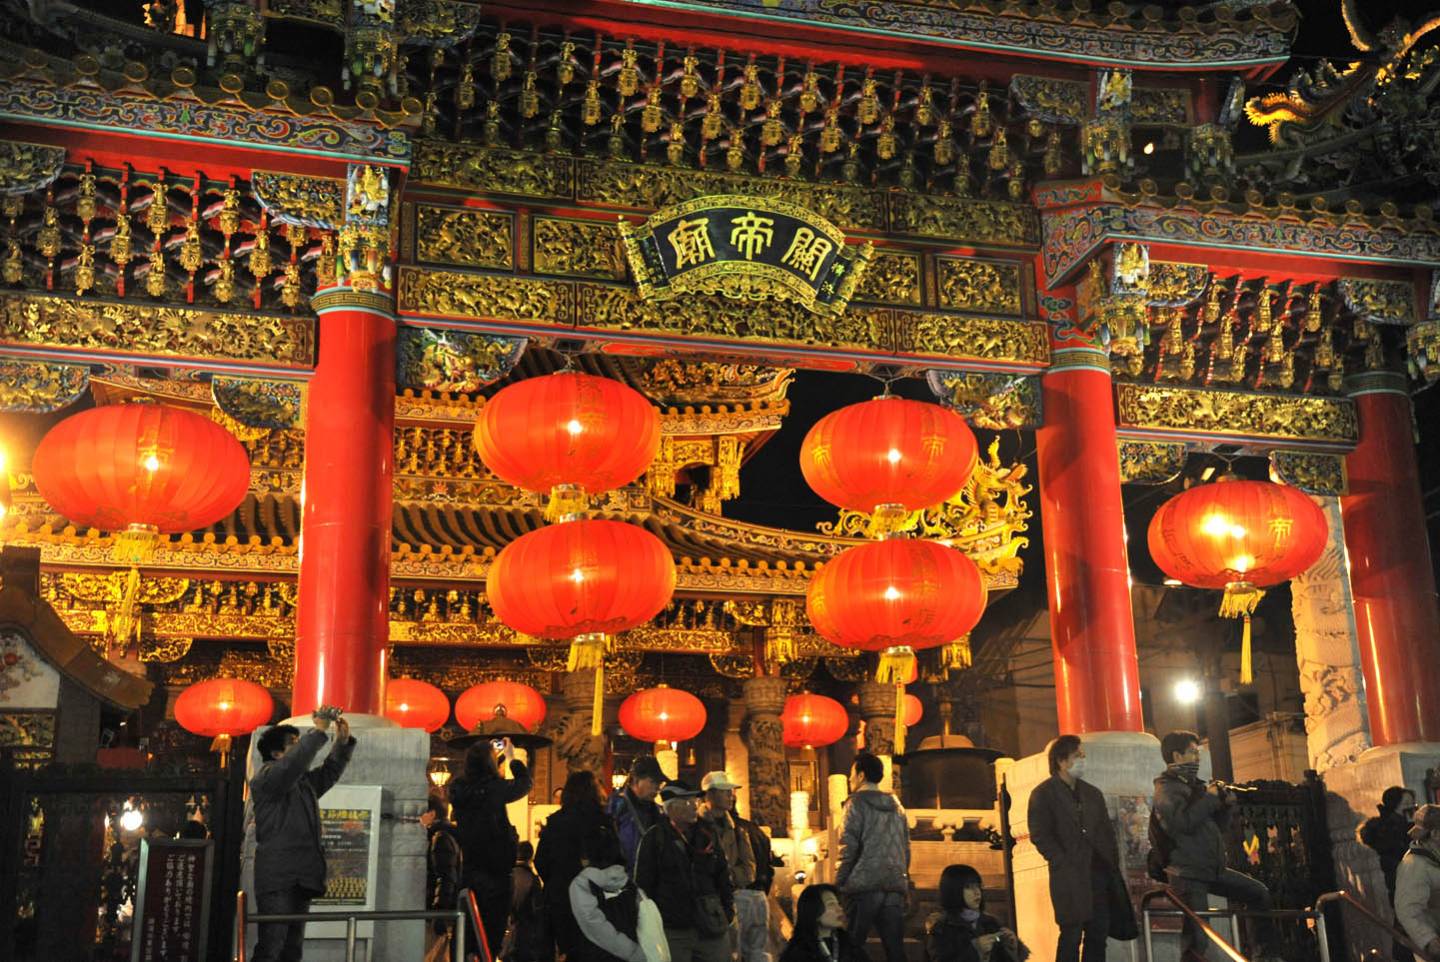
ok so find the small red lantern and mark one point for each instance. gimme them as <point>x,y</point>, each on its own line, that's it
<point>568,433</point>
<point>662,714</point>
<point>484,701</point>
<point>411,703</point>
<point>1242,536</point>
<point>813,721</point>
<point>221,709</point>
<point>914,710</point>
<point>888,457</point>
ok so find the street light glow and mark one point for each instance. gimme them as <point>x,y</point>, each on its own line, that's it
<point>1187,692</point>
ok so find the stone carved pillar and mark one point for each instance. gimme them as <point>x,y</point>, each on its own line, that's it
<point>877,708</point>
<point>769,775</point>
<point>581,751</point>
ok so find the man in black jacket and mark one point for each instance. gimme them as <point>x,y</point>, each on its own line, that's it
<point>680,865</point>
<point>289,861</point>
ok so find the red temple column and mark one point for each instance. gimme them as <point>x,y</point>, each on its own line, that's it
<point>343,622</point>
<point>1397,620</point>
<point>1092,631</point>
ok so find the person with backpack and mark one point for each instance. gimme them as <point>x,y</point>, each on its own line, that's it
<point>488,842</point>
<point>633,807</point>
<point>559,856</point>
<point>1071,828</point>
<point>1187,841</point>
<point>1417,882</point>
<point>605,904</point>
<point>680,865</point>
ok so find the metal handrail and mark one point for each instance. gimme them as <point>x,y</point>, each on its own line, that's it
<point>1343,898</point>
<point>468,903</point>
<point>455,915</point>
<point>1185,910</point>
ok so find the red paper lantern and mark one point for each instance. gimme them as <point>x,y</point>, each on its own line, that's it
<point>589,433</point>
<point>141,465</point>
<point>914,710</point>
<point>223,706</point>
<point>662,715</point>
<point>581,577</point>
<point>896,593</point>
<point>416,704</point>
<point>1242,536</point>
<point>521,703</point>
<point>813,721</point>
<point>892,452</point>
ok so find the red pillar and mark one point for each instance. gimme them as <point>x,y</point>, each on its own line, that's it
<point>343,622</point>
<point>1092,631</point>
<point>1397,619</point>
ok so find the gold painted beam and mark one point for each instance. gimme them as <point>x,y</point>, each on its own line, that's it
<point>1240,417</point>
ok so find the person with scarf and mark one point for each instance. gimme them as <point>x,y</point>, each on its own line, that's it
<point>962,931</point>
<point>819,934</point>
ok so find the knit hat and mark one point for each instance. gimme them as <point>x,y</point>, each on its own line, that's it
<point>1427,819</point>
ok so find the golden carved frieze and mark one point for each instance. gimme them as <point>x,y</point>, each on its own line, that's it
<point>497,296</point>
<point>1237,414</point>
<point>989,287</point>
<point>483,170</point>
<point>959,219</point>
<point>578,248</point>
<point>154,330</point>
<point>892,277</point>
<point>1151,462</point>
<point>1311,471</point>
<point>465,237</point>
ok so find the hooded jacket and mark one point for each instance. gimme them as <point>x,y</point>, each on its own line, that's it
<point>607,911</point>
<point>1417,895</point>
<point>284,796</point>
<point>1389,835</point>
<point>1194,819</point>
<point>874,844</point>
<point>557,859</point>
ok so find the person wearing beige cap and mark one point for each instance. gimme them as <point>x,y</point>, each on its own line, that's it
<point>751,911</point>
<point>1417,883</point>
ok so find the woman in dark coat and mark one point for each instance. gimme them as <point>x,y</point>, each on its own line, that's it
<point>820,934</point>
<point>961,931</point>
<point>488,841</point>
<point>562,842</point>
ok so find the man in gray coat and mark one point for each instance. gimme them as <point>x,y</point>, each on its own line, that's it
<point>874,859</point>
<point>289,861</point>
<point>1191,815</point>
<point>1417,882</point>
<point>1070,826</point>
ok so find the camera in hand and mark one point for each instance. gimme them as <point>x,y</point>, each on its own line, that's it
<point>329,713</point>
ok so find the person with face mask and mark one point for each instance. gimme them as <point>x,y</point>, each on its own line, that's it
<point>1417,882</point>
<point>1071,829</point>
<point>1192,815</point>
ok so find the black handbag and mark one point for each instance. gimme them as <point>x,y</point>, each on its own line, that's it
<point>1122,913</point>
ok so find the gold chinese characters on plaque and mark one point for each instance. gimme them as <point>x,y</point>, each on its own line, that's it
<point>749,248</point>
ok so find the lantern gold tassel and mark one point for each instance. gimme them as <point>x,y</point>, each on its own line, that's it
<point>588,651</point>
<point>566,501</point>
<point>221,746</point>
<point>1240,601</point>
<point>896,665</point>
<point>134,546</point>
<point>956,655</point>
<point>887,519</point>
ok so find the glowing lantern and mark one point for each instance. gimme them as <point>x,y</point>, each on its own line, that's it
<point>1242,536</point>
<point>662,714</point>
<point>914,710</point>
<point>221,709</point>
<point>416,704</point>
<point>896,596</point>
<point>140,471</point>
<point>813,721</point>
<point>570,434</point>
<point>582,580</point>
<point>484,701</point>
<point>888,457</point>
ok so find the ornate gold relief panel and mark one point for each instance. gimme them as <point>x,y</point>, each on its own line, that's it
<point>464,237</point>
<point>990,287</point>
<point>891,277</point>
<point>578,248</point>
<point>451,293</point>
<point>1237,414</point>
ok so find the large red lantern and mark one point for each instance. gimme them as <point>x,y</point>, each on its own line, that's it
<point>813,721</point>
<point>570,434</point>
<point>1242,536</point>
<point>140,471</point>
<point>914,710</point>
<point>223,708</point>
<point>411,703</point>
<point>888,457</point>
<point>662,715</point>
<point>514,700</point>
<point>896,596</point>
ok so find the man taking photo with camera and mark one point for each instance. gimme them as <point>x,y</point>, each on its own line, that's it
<point>1188,818</point>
